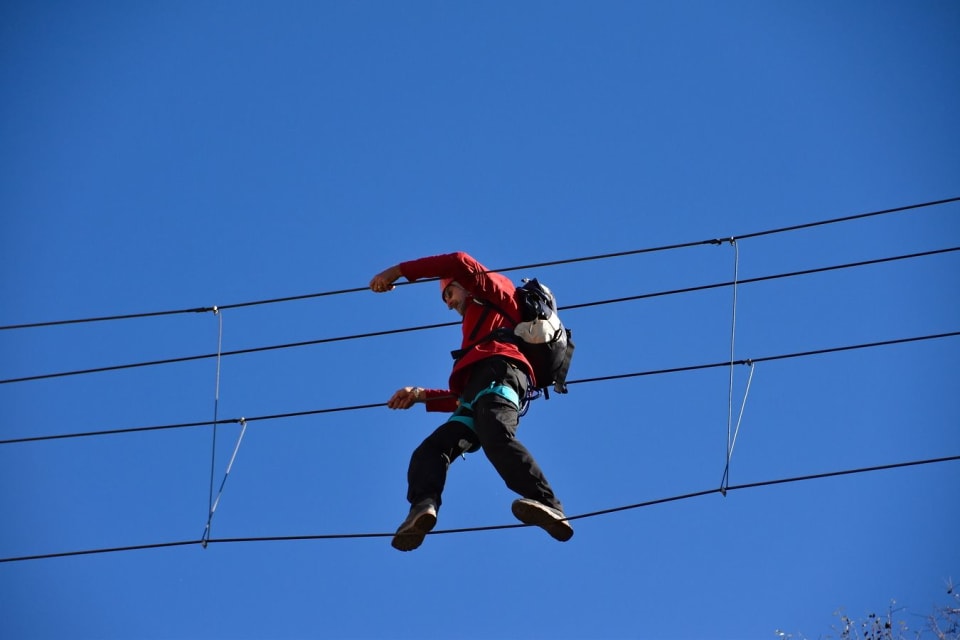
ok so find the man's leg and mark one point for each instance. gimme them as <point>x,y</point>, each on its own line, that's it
<point>427,473</point>
<point>496,420</point>
<point>427,476</point>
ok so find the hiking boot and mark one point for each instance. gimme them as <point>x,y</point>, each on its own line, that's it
<point>547,518</point>
<point>421,519</point>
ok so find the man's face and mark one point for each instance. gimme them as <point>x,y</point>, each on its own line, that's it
<point>456,297</point>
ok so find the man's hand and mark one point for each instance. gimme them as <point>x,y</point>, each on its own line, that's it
<point>405,398</point>
<point>384,280</point>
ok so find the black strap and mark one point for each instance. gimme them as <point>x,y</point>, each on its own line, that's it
<point>483,316</point>
<point>560,382</point>
<point>502,334</point>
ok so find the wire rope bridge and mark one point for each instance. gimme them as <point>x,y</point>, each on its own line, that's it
<point>733,424</point>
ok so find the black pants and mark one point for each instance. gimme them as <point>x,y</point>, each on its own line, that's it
<point>495,422</point>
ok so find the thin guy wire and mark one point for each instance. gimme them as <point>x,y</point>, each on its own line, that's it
<point>223,483</point>
<point>583,516</point>
<point>216,410</point>
<point>605,256</point>
<point>733,336</point>
<point>305,343</point>
<point>743,405</point>
<point>622,376</point>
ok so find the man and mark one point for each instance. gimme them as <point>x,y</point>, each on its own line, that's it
<point>488,385</point>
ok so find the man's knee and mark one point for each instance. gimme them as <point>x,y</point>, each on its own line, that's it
<point>430,449</point>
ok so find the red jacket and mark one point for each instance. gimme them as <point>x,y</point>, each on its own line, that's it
<point>482,285</point>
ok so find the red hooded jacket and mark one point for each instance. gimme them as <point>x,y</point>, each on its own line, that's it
<point>478,320</point>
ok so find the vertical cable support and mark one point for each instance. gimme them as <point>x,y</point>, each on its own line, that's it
<point>213,506</point>
<point>216,411</point>
<point>726,471</point>
<point>731,432</point>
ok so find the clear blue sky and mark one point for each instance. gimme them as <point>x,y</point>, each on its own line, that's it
<point>188,154</point>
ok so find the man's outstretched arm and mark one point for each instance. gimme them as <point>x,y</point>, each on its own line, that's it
<point>384,280</point>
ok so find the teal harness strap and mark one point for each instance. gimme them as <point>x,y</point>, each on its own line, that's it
<point>464,412</point>
<point>503,391</point>
<point>467,420</point>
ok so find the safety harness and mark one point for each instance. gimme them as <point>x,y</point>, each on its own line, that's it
<point>464,412</point>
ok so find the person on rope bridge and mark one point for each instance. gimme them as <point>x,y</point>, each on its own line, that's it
<point>487,390</point>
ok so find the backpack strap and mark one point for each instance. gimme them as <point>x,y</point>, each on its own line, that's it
<point>483,316</point>
<point>560,383</point>
<point>503,333</point>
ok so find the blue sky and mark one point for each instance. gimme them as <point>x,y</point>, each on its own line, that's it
<point>186,155</point>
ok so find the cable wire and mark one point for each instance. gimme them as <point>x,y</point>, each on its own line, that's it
<point>620,376</point>
<point>216,417</point>
<point>725,482</point>
<point>767,278</point>
<point>371,334</point>
<point>215,503</point>
<point>582,516</point>
<point>733,336</point>
<point>619,254</point>
<point>858,216</point>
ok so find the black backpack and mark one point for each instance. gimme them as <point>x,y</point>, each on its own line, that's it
<point>541,336</point>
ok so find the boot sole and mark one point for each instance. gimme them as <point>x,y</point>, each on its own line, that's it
<point>412,537</point>
<point>533,514</point>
